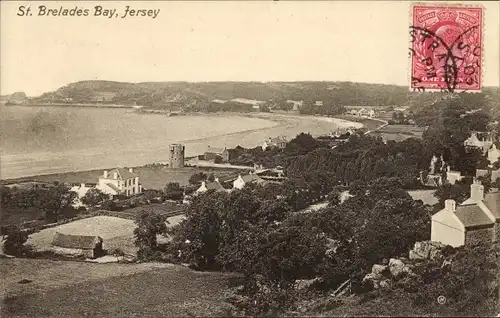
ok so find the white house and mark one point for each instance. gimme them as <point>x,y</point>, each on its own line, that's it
<point>475,220</point>
<point>119,181</point>
<point>240,182</point>
<point>279,142</point>
<point>481,140</point>
<point>215,185</point>
<point>493,154</point>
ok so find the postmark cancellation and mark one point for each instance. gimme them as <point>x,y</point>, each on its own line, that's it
<point>446,47</point>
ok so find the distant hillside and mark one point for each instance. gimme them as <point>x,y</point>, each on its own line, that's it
<point>174,94</point>
<point>196,96</point>
<point>16,98</point>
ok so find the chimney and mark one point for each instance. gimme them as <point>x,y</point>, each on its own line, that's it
<point>115,175</point>
<point>105,173</point>
<point>131,170</point>
<point>450,205</point>
<point>476,191</point>
<point>203,184</point>
<point>82,185</point>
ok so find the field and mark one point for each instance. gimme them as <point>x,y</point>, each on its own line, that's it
<point>369,124</point>
<point>115,232</point>
<point>151,177</point>
<point>78,289</point>
<point>401,132</point>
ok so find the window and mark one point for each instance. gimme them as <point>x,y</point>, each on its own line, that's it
<point>133,190</point>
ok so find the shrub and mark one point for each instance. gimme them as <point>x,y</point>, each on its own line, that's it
<point>14,239</point>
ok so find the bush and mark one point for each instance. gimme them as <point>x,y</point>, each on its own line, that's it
<point>13,240</point>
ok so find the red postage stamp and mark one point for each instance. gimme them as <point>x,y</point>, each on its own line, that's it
<point>446,47</point>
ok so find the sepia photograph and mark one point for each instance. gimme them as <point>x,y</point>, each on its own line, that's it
<point>270,158</point>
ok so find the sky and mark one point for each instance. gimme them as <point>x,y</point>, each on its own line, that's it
<point>216,41</point>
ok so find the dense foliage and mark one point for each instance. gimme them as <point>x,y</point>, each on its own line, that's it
<point>51,203</point>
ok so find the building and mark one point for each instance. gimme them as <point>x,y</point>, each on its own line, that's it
<point>480,140</point>
<point>176,156</point>
<point>119,181</point>
<point>77,245</point>
<point>475,220</point>
<point>493,174</point>
<point>205,186</point>
<point>278,142</point>
<point>241,181</point>
<point>493,154</point>
<point>453,176</point>
<point>212,153</point>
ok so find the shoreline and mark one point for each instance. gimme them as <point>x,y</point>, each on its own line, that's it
<point>74,105</point>
<point>284,123</point>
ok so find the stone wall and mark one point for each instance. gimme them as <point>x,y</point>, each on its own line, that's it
<point>497,232</point>
<point>475,236</point>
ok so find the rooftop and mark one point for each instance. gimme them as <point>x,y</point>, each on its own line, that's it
<point>75,241</point>
<point>472,216</point>
<point>121,174</point>
<point>214,186</point>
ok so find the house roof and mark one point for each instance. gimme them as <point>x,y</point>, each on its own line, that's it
<point>252,178</point>
<point>472,216</point>
<point>112,186</point>
<point>75,241</point>
<point>492,202</point>
<point>122,174</point>
<point>215,150</point>
<point>214,186</point>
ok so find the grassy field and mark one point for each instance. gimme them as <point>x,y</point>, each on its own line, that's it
<point>369,124</point>
<point>115,232</point>
<point>76,289</point>
<point>401,132</point>
<point>151,177</point>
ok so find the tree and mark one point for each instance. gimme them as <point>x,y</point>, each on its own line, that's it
<point>197,178</point>
<point>153,195</point>
<point>264,108</point>
<point>94,197</point>
<point>301,145</point>
<point>13,239</point>
<point>460,191</point>
<point>211,177</point>
<point>54,201</point>
<point>173,191</point>
<point>198,236</point>
<point>149,225</point>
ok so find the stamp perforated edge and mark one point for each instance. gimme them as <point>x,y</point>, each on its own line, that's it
<point>444,5</point>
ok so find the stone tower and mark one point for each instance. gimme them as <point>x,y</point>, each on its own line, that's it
<point>176,156</point>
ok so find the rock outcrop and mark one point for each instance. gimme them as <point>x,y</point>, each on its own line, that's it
<point>426,250</point>
<point>384,276</point>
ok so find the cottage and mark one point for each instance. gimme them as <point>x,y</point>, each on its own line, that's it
<point>119,181</point>
<point>206,186</point>
<point>78,245</point>
<point>493,174</point>
<point>493,154</point>
<point>212,153</point>
<point>241,181</point>
<point>480,140</point>
<point>475,220</point>
<point>279,142</point>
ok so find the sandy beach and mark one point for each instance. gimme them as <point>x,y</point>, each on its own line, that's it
<point>46,140</point>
